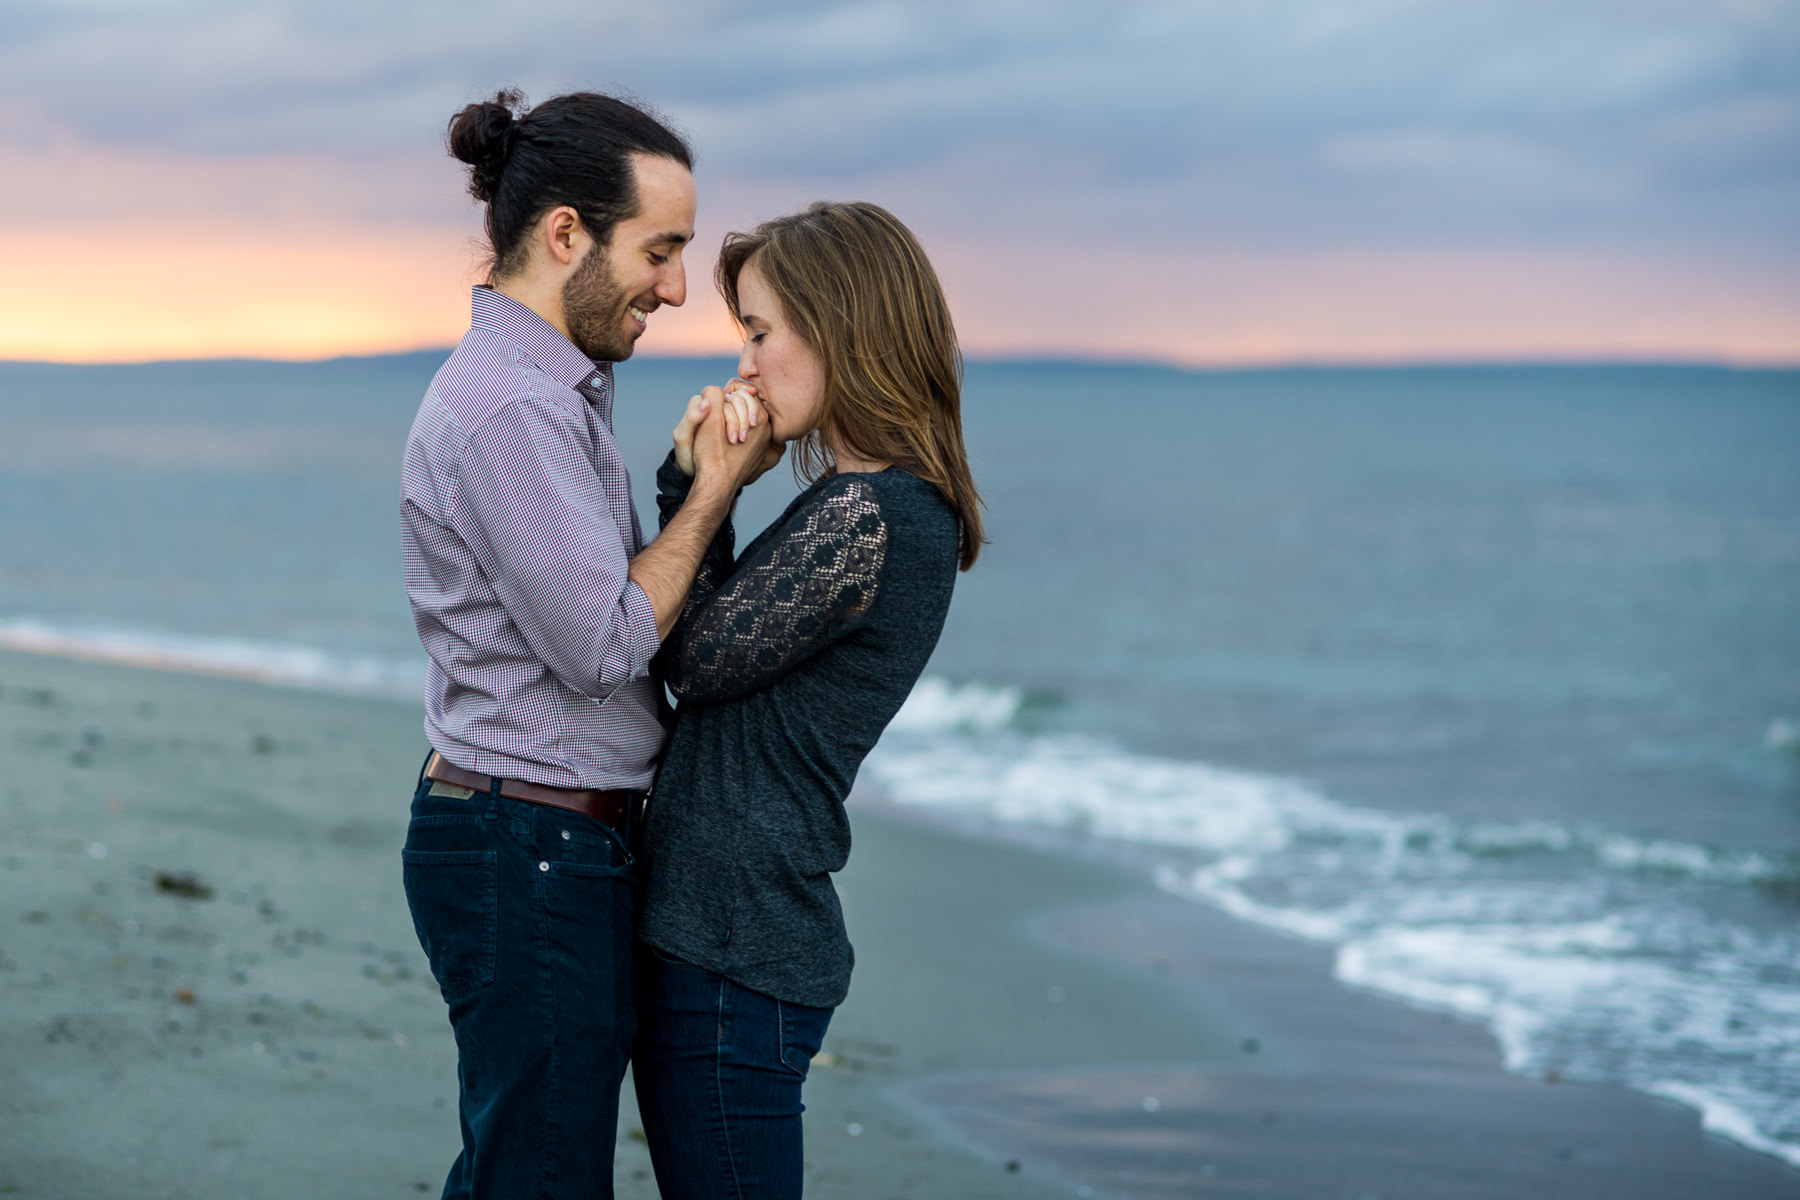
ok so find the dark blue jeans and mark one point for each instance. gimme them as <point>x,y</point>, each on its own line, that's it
<point>718,1074</point>
<point>526,914</point>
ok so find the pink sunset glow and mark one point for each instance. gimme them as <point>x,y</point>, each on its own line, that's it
<point>1483,195</point>
<point>305,289</point>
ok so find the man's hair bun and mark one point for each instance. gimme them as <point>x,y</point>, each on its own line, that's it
<point>481,135</point>
<point>575,150</point>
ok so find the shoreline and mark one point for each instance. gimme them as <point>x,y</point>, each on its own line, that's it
<point>273,664</point>
<point>1415,1099</point>
<point>1012,1005</point>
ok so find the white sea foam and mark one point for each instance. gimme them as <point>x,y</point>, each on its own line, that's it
<point>1572,943</point>
<point>264,662</point>
<point>1724,1118</point>
<point>1588,952</point>
<point>937,706</point>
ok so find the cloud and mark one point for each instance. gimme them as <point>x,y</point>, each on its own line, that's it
<point>1629,131</point>
<point>65,181</point>
<point>1560,112</point>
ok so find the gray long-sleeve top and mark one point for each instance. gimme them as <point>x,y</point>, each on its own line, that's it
<point>787,663</point>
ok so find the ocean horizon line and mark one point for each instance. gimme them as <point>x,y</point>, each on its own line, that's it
<point>1297,365</point>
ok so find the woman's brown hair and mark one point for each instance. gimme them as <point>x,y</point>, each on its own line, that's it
<point>856,286</point>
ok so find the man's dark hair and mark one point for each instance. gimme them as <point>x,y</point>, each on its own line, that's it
<point>574,150</point>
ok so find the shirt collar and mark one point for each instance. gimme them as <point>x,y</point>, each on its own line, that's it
<point>548,350</point>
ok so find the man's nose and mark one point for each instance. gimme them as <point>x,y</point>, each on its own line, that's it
<point>671,288</point>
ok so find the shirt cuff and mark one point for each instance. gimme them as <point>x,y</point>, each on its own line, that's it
<point>640,624</point>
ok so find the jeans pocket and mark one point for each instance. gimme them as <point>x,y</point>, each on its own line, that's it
<point>665,958</point>
<point>454,896</point>
<point>802,1033</point>
<point>591,848</point>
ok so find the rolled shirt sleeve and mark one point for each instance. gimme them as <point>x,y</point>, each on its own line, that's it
<point>531,509</point>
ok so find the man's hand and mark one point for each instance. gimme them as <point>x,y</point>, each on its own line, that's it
<point>771,455</point>
<point>742,412</point>
<point>725,442</point>
<point>697,408</point>
<point>731,446</point>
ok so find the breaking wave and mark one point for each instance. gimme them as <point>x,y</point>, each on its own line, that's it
<point>1591,954</point>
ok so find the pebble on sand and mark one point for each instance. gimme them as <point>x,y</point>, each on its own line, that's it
<point>186,886</point>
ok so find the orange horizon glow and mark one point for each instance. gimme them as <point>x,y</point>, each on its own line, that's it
<point>309,290</point>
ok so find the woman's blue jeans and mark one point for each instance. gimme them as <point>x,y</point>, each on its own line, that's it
<point>526,913</point>
<point>718,1072</point>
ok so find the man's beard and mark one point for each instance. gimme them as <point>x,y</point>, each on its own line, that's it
<point>594,306</point>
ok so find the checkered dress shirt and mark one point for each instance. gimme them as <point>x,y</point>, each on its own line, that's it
<point>517,529</point>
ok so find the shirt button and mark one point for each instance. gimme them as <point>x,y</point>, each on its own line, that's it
<point>543,866</point>
<point>565,835</point>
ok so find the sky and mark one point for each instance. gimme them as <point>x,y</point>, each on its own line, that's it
<point>1202,182</point>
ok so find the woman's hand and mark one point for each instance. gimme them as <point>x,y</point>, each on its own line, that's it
<point>742,414</point>
<point>743,411</point>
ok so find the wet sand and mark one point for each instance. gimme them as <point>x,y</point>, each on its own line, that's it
<point>261,1023</point>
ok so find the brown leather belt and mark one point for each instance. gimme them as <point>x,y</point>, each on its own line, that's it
<point>609,808</point>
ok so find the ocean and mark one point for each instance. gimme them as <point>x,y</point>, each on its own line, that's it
<point>1487,677</point>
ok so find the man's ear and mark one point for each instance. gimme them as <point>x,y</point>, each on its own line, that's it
<point>564,235</point>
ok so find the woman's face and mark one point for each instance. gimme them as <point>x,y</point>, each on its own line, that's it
<point>789,378</point>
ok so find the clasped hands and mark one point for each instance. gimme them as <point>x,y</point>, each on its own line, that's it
<point>725,433</point>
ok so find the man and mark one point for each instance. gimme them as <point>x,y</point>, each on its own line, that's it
<point>540,607</point>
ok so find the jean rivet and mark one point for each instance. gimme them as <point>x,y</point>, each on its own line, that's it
<point>543,866</point>
<point>565,835</point>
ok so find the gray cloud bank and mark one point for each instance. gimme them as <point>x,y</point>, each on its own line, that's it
<point>1256,124</point>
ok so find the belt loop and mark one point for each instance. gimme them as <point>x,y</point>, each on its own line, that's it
<point>423,767</point>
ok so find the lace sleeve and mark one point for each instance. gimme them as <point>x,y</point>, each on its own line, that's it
<point>672,487</point>
<point>799,588</point>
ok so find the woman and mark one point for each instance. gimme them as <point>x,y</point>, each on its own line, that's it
<point>788,663</point>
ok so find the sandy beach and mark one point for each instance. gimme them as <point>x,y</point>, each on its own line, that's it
<point>209,987</point>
